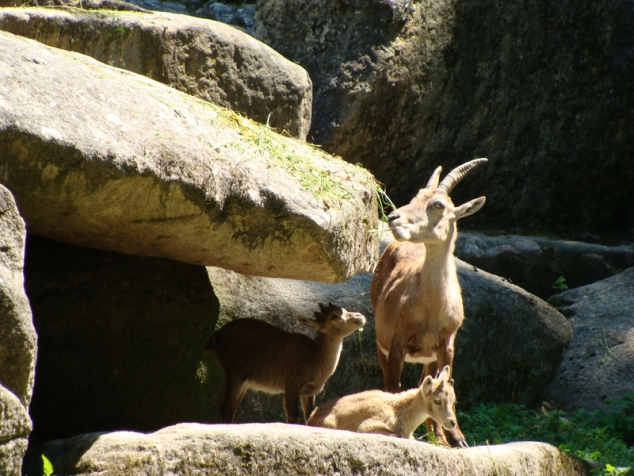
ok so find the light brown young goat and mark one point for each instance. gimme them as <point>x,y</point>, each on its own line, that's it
<point>257,355</point>
<point>415,291</point>
<point>392,414</point>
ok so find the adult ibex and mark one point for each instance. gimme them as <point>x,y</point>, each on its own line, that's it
<point>257,355</point>
<point>391,414</point>
<point>415,291</point>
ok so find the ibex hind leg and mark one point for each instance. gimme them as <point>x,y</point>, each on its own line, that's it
<point>382,362</point>
<point>453,438</point>
<point>434,427</point>
<point>291,405</point>
<point>456,438</point>
<point>308,405</point>
<point>234,393</point>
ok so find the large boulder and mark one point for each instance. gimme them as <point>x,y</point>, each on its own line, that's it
<point>17,340</point>
<point>546,93</point>
<point>108,159</point>
<point>120,341</point>
<point>537,263</point>
<point>15,426</point>
<point>282,449</point>
<point>207,59</point>
<point>511,343</point>
<point>599,362</point>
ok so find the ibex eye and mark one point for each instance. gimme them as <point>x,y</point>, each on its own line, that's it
<point>439,205</point>
<point>436,402</point>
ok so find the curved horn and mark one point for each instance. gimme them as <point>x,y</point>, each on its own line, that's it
<point>433,180</point>
<point>456,175</point>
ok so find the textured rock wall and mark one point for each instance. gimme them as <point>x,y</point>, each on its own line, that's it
<point>546,92</point>
<point>17,340</point>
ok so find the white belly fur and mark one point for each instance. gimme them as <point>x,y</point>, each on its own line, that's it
<point>251,385</point>
<point>415,360</point>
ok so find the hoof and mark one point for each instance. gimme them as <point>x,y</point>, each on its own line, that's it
<point>461,443</point>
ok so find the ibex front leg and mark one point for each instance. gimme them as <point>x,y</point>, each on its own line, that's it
<point>392,366</point>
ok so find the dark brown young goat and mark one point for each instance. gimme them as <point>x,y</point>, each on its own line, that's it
<point>257,355</point>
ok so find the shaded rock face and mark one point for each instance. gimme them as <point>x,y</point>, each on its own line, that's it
<point>546,93</point>
<point>108,159</point>
<point>290,450</point>
<point>17,340</point>
<point>341,45</point>
<point>599,362</point>
<point>536,263</point>
<point>203,58</point>
<point>120,341</point>
<point>511,343</point>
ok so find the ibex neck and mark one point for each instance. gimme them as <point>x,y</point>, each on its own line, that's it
<point>412,412</point>
<point>330,349</point>
<point>446,247</point>
<point>439,261</point>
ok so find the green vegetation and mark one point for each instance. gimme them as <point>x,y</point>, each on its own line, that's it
<point>603,342</point>
<point>603,436</point>
<point>560,284</point>
<point>384,203</point>
<point>306,162</point>
<point>47,466</point>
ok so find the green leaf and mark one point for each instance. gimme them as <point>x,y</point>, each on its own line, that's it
<point>47,466</point>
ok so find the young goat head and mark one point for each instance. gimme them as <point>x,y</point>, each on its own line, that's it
<point>392,414</point>
<point>257,355</point>
<point>415,291</point>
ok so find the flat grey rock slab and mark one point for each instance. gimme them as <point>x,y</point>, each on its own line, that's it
<point>204,58</point>
<point>104,158</point>
<point>282,449</point>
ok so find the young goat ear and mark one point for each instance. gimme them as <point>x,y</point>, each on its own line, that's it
<point>427,385</point>
<point>445,373</point>
<point>306,321</point>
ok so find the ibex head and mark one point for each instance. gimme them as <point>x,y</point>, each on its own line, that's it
<point>431,216</point>
<point>334,320</point>
<point>440,398</point>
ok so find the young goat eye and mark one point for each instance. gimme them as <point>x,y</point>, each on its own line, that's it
<point>437,401</point>
<point>334,317</point>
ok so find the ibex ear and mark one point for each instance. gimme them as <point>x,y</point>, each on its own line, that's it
<point>306,321</point>
<point>470,207</point>
<point>445,373</point>
<point>428,383</point>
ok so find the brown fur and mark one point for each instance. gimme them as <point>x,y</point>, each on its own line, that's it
<point>392,414</point>
<point>415,291</point>
<point>259,356</point>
